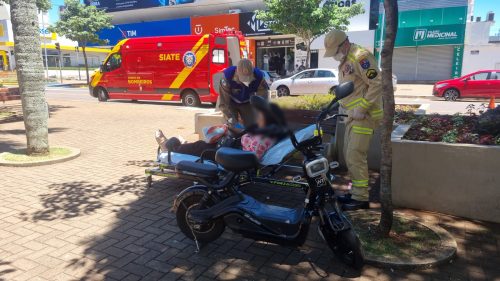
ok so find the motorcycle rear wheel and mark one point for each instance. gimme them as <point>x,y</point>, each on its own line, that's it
<point>204,233</point>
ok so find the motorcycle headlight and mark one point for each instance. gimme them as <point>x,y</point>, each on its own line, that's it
<point>439,86</point>
<point>317,167</point>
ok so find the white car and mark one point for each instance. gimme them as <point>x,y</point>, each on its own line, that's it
<point>310,81</point>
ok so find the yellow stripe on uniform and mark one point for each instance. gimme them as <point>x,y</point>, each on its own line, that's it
<point>360,183</point>
<point>358,102</point>
<point>362,130</point>
<point>201,51</point>
<point>377,113</point>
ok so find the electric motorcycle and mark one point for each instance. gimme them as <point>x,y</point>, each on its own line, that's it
<point>204,210</point>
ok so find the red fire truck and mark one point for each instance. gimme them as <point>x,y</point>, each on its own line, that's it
<point>168,68</point>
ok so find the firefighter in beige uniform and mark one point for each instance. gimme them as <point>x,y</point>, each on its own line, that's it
<point>363,106</point>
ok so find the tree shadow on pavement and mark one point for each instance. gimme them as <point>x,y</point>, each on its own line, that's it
<point>5,269</point>
<point>8,145</point>
<point>17,112</point>
<point>74,199</point>
<point>142,163</point>
<point>144,242</point>
<point>23,131</point>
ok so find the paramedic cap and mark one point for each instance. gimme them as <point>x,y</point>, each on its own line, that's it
<point>332,42</point>
<point>244,70</point>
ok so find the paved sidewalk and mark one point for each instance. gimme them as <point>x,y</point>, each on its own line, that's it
<point>94,219</point>
<point>414,91</point>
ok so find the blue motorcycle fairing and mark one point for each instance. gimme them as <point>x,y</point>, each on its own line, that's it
<point>270,212</point>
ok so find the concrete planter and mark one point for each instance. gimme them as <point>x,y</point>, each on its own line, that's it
<point>455,179</point>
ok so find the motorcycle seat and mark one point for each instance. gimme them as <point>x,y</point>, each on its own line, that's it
<point>236,160</point>
<point>197,169</point>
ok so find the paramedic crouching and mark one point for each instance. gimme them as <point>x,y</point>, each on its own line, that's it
<point>237,86</point>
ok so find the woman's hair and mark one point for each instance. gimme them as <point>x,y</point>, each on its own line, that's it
<point>275,122</point>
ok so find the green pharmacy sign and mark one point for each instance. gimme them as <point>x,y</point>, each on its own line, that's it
<point>431,35</point>
<point>456,67</point>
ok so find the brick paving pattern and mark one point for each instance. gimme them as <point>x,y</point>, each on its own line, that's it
<point>93,218</point>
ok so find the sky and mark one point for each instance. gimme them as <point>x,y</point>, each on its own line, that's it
<point>54,11</point>
<point>481,7</point>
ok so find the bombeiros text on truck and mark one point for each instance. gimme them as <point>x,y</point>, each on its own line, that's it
<point>168,68</point>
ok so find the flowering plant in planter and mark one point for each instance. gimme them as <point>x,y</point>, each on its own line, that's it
<point>482,128</point>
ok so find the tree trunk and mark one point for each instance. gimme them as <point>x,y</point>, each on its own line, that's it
<point>86,64</point>
<point>30,74</point>
<point>391,26</point>
<point>308,56</point>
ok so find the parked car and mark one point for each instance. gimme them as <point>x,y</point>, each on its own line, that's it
<point>270,77</point>
<point>480,84</point>
<point>310,81</point>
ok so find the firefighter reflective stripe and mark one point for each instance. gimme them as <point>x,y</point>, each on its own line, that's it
<point>362,130</point>
<point>358,102</point>
<point>200,51</point>
<point>377,113</point>
<point>351,57</point>
<point>360,183</point>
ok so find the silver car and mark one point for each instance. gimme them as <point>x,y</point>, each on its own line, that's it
<point>310,81</point>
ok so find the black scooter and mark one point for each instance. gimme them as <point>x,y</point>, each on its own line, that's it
<point>204,210</point>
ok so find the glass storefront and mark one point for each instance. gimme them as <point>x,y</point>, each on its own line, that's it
<point>276,55</point>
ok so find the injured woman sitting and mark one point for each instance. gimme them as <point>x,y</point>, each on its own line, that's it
<point>270,129</point>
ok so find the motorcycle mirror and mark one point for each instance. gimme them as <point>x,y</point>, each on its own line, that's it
<point>344,89</point>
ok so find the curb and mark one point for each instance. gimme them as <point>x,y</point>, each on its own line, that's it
<point>416,97</point>
<point>448,252</point>
<point>75,152</point>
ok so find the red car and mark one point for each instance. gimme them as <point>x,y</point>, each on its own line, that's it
<point>480,84</point>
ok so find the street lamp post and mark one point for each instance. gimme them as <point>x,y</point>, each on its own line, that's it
<point>58,48</point>
<point>77,49</point>
<point>45,47</point>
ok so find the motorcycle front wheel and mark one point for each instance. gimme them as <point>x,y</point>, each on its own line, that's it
<point>203,233</point>
<point>348,249</point>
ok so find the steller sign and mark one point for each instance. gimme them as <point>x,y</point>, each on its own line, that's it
<point>250,25</point>
<point>214,24</point>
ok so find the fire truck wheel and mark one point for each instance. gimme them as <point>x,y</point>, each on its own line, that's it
<point>190,98</point>
<point>102,95</point>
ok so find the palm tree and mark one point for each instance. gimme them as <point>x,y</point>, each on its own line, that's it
<point>24,17</point>
<point>391,27</point>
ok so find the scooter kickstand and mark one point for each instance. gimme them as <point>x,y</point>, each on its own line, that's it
<point>195,241</point>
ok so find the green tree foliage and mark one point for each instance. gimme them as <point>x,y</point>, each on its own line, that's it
<point>307,19</point>
<point>81,23</point>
